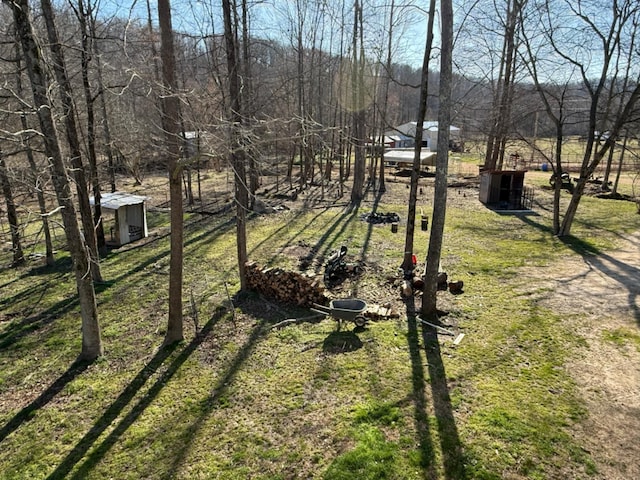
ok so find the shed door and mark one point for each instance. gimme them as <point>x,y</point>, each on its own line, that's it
<point>505,188</point>
<point>136,222</point>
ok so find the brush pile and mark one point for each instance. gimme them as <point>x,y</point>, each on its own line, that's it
<point>378,218</point>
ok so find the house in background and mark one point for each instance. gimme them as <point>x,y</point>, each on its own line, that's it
<point>404,135</point>
<point>124,217</point>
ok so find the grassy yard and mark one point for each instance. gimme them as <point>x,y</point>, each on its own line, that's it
<point>573,150</point>
<point>239,399</point>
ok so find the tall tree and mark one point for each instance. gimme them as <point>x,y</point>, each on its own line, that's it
<point>597,47</point>
<point>36,177</point>
<point>384,124</point>
<point>12,213</point>
<point>358,95</point>
<point>503,93</point>
<point>442,160</point>
<point>237,151</point>
<point>71,130</point>
<point>248,94</point>
<point>106,130</point>
<point>171,127</point>
<point>407,264</point>
<point>555,99</point>
<point>84,15</point>
<point>91,340</point>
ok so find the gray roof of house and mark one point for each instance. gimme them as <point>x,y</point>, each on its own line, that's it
<point>409,129</point>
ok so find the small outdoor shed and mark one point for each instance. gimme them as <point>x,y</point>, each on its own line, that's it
<point>124,217</point>
<point>404,157</point>
<point>503,189</point>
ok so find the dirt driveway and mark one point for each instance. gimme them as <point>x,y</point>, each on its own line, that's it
<point>600,296</point>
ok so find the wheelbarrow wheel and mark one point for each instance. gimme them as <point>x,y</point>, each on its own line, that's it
<point>360,321</point>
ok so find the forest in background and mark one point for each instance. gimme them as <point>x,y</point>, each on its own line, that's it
<point>295,92</point>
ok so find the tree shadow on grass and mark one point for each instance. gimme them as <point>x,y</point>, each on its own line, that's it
<point>452,452</point>
<point>347,216</point>
<point>32,322</point>
<point>105,422</point>
<point>250,305</point>
<point>205,234</point>
<point>623,274</point>
<point>291,219</point>
<point>43,399</point>
<point>627,276</point>
<point>19,329</point>
<point>420,415</point>
<point>37,288</point>
<point>215,400</point>
<point>364,251</point>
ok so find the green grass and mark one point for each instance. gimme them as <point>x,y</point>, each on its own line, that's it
<point>622,337</point>
<point>241,400</point>
<point>373,457</point>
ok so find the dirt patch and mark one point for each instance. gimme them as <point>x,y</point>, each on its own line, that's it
<point>598,295</point>
<point>300,251</point>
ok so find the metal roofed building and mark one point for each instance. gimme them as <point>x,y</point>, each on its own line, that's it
<point>124,217</point>
<point>405,134</point>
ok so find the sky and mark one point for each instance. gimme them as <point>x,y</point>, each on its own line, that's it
<point>197,17</point>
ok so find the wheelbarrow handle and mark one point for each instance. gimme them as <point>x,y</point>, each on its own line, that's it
<point>321,309</point>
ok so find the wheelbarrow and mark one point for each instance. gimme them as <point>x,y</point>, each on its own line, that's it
<point>350,309</point>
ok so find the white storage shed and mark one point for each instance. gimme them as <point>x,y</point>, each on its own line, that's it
<point>124,217</point>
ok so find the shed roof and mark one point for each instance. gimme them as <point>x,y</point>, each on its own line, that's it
<point>115,200</point>
<point>406,156</point>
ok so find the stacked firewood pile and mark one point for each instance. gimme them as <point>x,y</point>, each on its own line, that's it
<point>284,286</point>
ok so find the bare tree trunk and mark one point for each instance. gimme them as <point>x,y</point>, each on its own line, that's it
<point>37,185</point>
<point>588,167</point>
<point>614,189</point>
<point>558,120</point>
<point>557,170</point>
<point>152,44</point>
<point>42,203</point>
<point>607,171</point>
<point>42,206</point>
<point>503,98</point>
<point>254,173</point>
<point>171,127</point>
<point>385,96</point>
<point>237,147</point>
<point>85,53</point>
<point>64,87</point>
<point>407,263</point>
<point>12,214</point>
<point>442,160</point>
<point>91,341</point>
<point>106,131</point>
<point>357,81</point>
